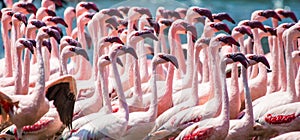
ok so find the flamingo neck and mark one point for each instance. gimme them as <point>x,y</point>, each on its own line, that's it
<point>248,101</point>
<point>153,103</point>
<point>289,65</point>
<point>298,83</point>
<point>104,91</point>
<point>26,72</point>
<point>40,83</point>
<point>7,53</point>
<point>18,71</point>
<point>169,82</point>
<point>234,78</point>
<point>274,65</point>
<point>137,93</point>
<point>257,43</point>
<point>15,31</point>
<point>123,107</point>
<point>180,55</point>
<point>163,44</point>
<point>225,100</point>
<point>190,60</point>
<point>195,97</point>
<point>214,61</point>
<point>142,56</point>
<point>69,22</point>
<point>96,53</point>
<point>46,56</point>
<point>206,67</point>
<point>63,64</point>
<point>54,51</point>
<point>282,68</point>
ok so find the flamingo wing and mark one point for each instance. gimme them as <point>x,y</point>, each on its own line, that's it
<point>63,92</point>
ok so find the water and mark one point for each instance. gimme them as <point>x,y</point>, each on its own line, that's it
<point>238,9</point>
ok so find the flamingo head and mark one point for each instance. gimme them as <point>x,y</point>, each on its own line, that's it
<point>23,43</point>
<point>79,51</point>
<point>165,22</point>
<point>50,12</point>
<point>57,20</point>
<point>254,59</point>
<point>202,43</point>
<point>36,23</point>
<point>286,14</point>
<point>154,24</point>
<point>227,39</point>
<point>223,16</point>
<point>21,17</point>
<point>237,57</point>
<point>7,15</point>
<point>113,23</point>
<point>244,30</point>
<point>117,50</point>
<point>190,28</point>
<point>163,58</point>
<point>104,60</point>
<point>112,12</point>
<point>57,29</point>
<point>202,12</point>
<point>124,9</point>
<point>51,32</point>
<point>269,13</point>
<point>181,12</point>
<point>144,11</point>
<point>24,7</point>
<point>255,24</point>
<point>88,6</point>
<point>137,36</point>
<point>271,30</point>
<point>113,39</point>
<point>220,26</point>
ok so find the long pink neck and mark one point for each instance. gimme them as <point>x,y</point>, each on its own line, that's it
<point>298,83</point>
<point>40,83</point>
<point>46,56</point>
<point>137,93</point>
<point>158,47</point>
<point>258,50</point>
<point>69,21</point>
<point>7,49</point>
<point>234,85</point>
<point>123,107</point>
<point>274,86</point>
<point>152,112</point>
<point>180,55</point>
<point>289,66</point>
<point>169,82</point>
<point>190,60</point>
<point>248,101</point>
<point>225,100</point>
<point>15,34</point>
<point>142,56</point>
<point>63,70</point>
<point>102,85</point>
<point>195,83</point>
<point>206,68</point>
<point>18,71</point>
<point>282,69</point>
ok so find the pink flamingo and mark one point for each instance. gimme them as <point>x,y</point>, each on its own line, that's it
<point>69,15</point>
<point>242,129</point>
<point>215,128</point>
<point>115,124</point>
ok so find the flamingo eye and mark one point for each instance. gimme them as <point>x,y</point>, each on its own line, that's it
<point>120,47</point>
<point>72,49</point>
<point>137,34</point>
<point>212,25</point>
<point>106,58</point>
<point>228,55</point>
<point>260,13</point>
<point>250,57</point>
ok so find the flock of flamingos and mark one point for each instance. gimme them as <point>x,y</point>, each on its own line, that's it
<point>223,87</point>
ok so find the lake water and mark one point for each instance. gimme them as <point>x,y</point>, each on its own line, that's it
<point>238,9</point>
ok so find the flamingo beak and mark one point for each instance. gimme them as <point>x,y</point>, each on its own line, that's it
<point>59,20</point>
<point>271,13</point>
<point>120,62</point>
<point>256,24</point>
<point>144,11</point>
<point>170,58</point>
<point>167,22</point>
<point>30,8</point>
<point>47,44</point>
<point>116,40</point>
<point>113,22</point>
<point>57,29</point>
<point>222,26</point>
<point>58,2</point>
<point>38,23</point>
<point>91,5</point>
<point>27,44</point>
<point>262,59</point>
<point>272,31</point>
<point>155,25</point>
<point>50,12</point>
<point>82,52</point>
<point>149,34</point>
<point>204,12</point>
<point>241,58</point>
<point>223,16</point>
<point>289,14</point>
<point>21,17</point>
<point>229,40</point>
<point>54,33</point>
<point>90,15</point>
<point>129,50</point>
<point>114,12</point>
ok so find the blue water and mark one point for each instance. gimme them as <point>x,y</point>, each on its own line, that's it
<point>238,9</point>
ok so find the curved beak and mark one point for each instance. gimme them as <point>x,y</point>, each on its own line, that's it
<point>262,59</point>
<point>113,22</point>
<point>255,24</point>
<point>170,58</point>
<point>47,44</point>
<point>129,50</point>
<point>149,34</point>
<point>57,29</point>
<point>245,30</point>
<point>114,12</point>
<point>82,52</point>
<point>270,13</point>
<point>30,8</point>
<point>222,26</point>
<point>90,15</point>
<point>241,58</point>
<point>167,22</point>
<point>91,5</point>
<point>21,17</point>
<point>114,39</point>
<point>204,12</point>
<point>272,31</point>
<point>37,23</point>
<point>50,12</point>
<point>289,14</point>
<point>59,20</point>
<point>27,44</point>
<point>120,62</point>
<point>54,33</point>
<point>229,40</point>
<point>58,2</point>
<point>223,16</point>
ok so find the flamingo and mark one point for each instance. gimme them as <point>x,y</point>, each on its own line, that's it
<point>69,15</point>
<point>215,128</point>
<point>194,114</point>
<point>242,129</point>
<point>140,123</point>
<point>115,124</point>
